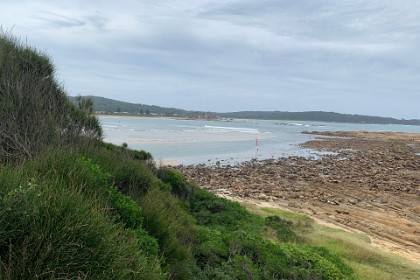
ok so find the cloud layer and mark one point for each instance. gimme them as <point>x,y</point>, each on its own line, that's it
<point>358,56</point>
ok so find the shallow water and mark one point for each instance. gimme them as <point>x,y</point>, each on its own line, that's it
<point>197,141</point>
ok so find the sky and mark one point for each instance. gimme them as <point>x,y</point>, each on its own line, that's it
<point>346,56</point>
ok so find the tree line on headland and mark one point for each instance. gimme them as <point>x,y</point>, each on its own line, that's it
<point>319,116</point>
<point>104,105</point>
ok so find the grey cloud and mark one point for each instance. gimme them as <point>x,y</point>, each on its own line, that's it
<point>59,20</point>
<point>235,54</point>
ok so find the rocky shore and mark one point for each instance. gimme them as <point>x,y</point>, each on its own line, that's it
<point>369,182</point>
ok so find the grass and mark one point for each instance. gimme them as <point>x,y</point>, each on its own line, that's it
<point>35,112</point>
<point>367,261</point>
<point>232,238</point>
<point>51,231</point>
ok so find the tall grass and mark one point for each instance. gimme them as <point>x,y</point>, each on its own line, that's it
<point>50,231</point>
<point>131,174</point>
<point>174,229</point>
<point>34,109</point>
<point>355,249</point>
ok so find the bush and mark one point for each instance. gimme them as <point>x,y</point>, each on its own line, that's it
<point>165,219</point>
<point>34,109</point>
<point>126,209</point>
<point>141,155</point>
<point>229,246</point>
<point>244,268</point>
<point>73,170</point>
<point>131,177</point>
<point>305,263</point>
<point>283,228</point>
<point>211,249</point>
<point>49,231</point>
<point>213,211</point>
<point>179,185</point>
<point>147,244</point>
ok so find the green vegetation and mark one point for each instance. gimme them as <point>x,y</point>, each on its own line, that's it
<point>73,207</point>
<point>108,106</point>
<point>366,261</point>
<point>34,109</point>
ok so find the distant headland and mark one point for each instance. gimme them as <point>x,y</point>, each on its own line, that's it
<point>108,106</point>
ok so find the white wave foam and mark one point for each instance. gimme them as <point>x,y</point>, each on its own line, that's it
<point>110,126</point>
<point>230,129</point>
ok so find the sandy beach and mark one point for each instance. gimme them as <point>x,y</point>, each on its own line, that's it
<point>367,182</point>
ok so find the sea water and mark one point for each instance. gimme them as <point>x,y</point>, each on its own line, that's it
<point>178,141</point>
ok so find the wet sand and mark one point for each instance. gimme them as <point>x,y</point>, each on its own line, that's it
<point>371,183</point>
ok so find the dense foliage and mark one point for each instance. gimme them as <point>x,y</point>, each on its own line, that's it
<point>34,109</point>
<point>73,207</point>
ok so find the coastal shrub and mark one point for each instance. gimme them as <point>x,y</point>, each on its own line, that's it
<point>49,231</point>
<point>147,243</point>
<point>305,263</point>
<point>244,268</point>
<point>126,210</point>
<point>283,228</point>
<point>140,155</point>
<point>213,273</point>
<point>213,211</point>
<point>35,112</point>
<point>234,247</point>
<point>240,255</point>
<point>211,248</point>
<point>170,224</point>
<point>224,256</point>
<point>129,212</point>
<point>81,174</point>
<point>179,184</point>
<point>73,170</point>
<point>131,177</point>
<point>335,259</point>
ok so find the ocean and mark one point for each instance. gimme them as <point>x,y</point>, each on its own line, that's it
<point>177,141</point>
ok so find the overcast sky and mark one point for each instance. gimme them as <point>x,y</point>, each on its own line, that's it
<point>347,56</point>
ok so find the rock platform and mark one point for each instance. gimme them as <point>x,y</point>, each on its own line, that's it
<point>370,183</point>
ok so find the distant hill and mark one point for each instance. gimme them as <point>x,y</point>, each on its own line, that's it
<point>104,105</point>
<point>317,116</point>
